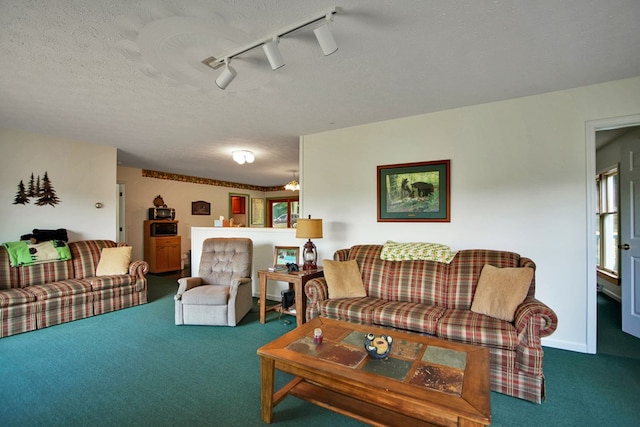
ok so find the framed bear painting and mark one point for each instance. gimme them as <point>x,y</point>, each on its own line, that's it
<point>414,192</point>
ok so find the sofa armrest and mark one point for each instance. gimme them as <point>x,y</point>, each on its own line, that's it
<point>315,290</point>
<point>341,255</point>
<point>138,268</point>
<point>534,320</point>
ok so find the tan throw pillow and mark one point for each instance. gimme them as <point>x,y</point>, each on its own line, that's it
<point>343,279</point>
<point>114,261</point>
<point>501,290</point>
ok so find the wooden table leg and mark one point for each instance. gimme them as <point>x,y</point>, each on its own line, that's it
<point>299,290</point>
<point>267,368</point>
<point>263,298</point>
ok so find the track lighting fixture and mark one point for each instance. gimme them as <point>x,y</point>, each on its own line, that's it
<point>273,54</point>
<point>227,75</point>
<point>270,47</point>
<point>325,37</point>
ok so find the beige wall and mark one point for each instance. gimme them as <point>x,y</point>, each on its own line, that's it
<point>521,173</point>
<point>140,192</point>
<point>81,174</point>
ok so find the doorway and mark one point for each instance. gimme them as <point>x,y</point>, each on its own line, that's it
<point>238,204</point>
<point>600,133</point>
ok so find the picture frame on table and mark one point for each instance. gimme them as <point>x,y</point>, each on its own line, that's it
<point>283,255</point>
<point>414,192</point>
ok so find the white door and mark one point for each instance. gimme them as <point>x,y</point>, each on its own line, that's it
<point>630,235</point>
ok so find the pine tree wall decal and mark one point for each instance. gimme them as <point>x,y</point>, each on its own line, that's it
<point>21,197</point>
<point>47,193</point>
<point>32,187</point>
<point>41,188</point>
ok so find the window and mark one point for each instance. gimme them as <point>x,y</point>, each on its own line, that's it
<point>283,213</point>
<point>607,222</point>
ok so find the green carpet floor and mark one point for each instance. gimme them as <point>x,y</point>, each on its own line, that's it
<point>135,367</point>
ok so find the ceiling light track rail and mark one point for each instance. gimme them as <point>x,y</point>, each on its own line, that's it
<point>216,63</point>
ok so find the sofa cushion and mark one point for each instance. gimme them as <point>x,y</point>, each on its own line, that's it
<point>114,261</point>
<point>47,272</point>
<point>9,277</point>
<point>59,289</point>
<point>474,328</point>
<point>13,297</point>
<point>409,281</point>
<point>109,282</point>
<point>86,256</point>
<point>501,290</point>
<point>464,272</point>
<point>356,310</point>
<point>409,316</point>
<point>343,279</point>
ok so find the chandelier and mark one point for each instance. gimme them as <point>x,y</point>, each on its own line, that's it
<point>292,185</point>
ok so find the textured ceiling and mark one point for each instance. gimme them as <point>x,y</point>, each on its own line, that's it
<point>128,73</point>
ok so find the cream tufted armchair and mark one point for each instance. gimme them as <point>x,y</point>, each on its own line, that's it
<point>221,294</point>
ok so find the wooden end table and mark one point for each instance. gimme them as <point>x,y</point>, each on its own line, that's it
<point>296,282</point>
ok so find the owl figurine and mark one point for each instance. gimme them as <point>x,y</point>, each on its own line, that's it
<point>378,347</point>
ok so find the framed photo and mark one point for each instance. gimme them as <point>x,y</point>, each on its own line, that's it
<point>200,208</point>
<point>257,211</point>
<point>285,254</point>
<point>414,192</point>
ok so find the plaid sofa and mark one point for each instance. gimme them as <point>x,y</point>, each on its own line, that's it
<point>435,298</point>
<point>46,294</point>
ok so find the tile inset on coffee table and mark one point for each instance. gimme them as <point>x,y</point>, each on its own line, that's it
<point>442,378</point>
<point>304,345</point>
<point>390,367</point>
<point>355,338</point>
<point>404,348</point>
<point>342,354</point>
<point>446,357</point>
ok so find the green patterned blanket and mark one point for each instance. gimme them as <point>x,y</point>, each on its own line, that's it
<point>393,251</point>
<point>24,253</point>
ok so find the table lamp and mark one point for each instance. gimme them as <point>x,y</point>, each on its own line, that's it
<point>308,228</point>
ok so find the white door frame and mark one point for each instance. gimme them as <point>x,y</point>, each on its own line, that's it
<point>592,126</point>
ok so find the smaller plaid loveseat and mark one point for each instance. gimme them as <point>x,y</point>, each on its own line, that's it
<point>46,294</point>
<point>435,298</point>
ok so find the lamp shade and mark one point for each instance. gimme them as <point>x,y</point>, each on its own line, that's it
<point>308,228</point>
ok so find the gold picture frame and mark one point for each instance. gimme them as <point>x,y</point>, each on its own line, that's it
<point>283,255</point>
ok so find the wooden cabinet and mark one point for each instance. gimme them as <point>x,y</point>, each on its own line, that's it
<point>163,253</point>
<point>238,205</point>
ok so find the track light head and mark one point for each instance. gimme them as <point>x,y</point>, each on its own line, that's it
<point>325,37</point>
<point>227,76</point>
<point>273,54</point>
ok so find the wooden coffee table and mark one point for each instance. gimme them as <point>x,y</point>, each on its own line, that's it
<point>424,380</point>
